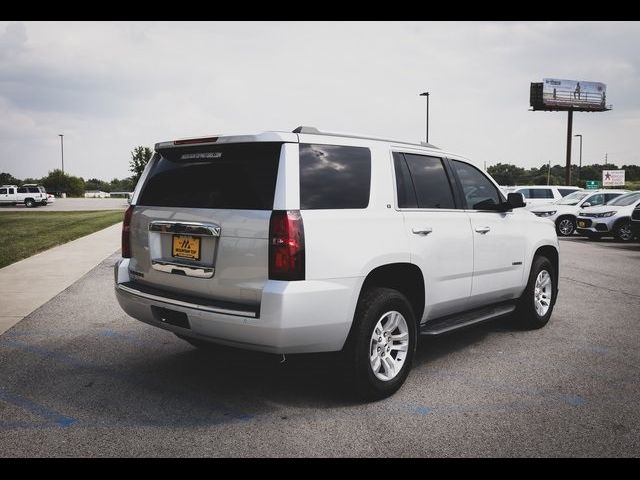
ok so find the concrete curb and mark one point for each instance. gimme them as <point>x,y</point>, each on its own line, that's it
<point>30,283</point>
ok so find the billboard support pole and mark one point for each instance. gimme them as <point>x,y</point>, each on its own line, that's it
<point>567,172</point>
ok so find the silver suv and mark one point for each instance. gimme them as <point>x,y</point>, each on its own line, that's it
<point>304,241</point>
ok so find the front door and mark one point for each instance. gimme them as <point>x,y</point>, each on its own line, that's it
<point>499,239</point>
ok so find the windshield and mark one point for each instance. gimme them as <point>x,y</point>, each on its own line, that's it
<point>572,198</point>
<point>624,200</point>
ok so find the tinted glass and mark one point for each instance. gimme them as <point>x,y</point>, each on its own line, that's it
<point>334,177</point>
<point>234,176</point>
<point>3,191</point>
<point>430,181</point>
<point>610,196</point>
<point>406,192</point>
<point>479,192</point>
<point>625,200</point>
<point>564,191</point>
<point>597,199</point>
<point>22,190</point>
<point>541,193</point>
<point>33,190</point>
<point>526,192</point>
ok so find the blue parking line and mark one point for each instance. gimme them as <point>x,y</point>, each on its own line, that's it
<point>40,410</point>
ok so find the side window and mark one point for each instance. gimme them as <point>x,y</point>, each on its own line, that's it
<point>12,191</point>
<point>430,181</point>
<point>479,192</point>
<point>334,177</point>
<point>541,193</point>
<point>3,191</point>
<point>564,192</point>
<point>33,190</point>
<point>406,192</point>
<point>526,192</point>
<point>22,190</point>
<point>597,199</point>
<point>610,196</point>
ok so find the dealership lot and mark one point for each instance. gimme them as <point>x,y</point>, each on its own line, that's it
<point>72,204</point>
<point>80,378</point>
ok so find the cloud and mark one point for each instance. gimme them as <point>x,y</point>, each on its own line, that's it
<point>110,86</point>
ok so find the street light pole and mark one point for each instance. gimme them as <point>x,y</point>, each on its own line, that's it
<point>426,94</point>
<point>62,150</point>
<point>580,167</point>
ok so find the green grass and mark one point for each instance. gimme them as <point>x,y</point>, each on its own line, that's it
<point>23,234</point>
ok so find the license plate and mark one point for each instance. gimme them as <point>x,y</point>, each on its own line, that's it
<point>186,246</point>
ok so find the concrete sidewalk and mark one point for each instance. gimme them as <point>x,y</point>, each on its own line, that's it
<point>30,283</point>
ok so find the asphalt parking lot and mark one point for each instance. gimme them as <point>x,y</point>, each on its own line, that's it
<point>72,204</point>
<point>80,378</point>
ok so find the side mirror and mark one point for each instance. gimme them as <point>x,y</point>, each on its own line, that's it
<point>586,204</point>
<point>515,200</point>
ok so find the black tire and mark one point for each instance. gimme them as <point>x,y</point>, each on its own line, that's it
<point>44,203</point>
<point>29,203</point>
<point>622,231</point>
<point>526,315</point>
<point>373,304</point>
<point>561,225</point>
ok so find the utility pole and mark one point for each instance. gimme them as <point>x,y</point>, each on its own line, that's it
<point>426,94</point>
<point>62,150</point>
<point>567,172</point>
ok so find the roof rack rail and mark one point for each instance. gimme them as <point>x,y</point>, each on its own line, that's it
<point>315,131</point>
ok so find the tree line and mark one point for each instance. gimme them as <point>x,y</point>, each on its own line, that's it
<point>58,182</point>
<point>509,174</point>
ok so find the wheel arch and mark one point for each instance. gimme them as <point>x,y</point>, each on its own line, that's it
<point>405,277</point>
<point>550,252</point>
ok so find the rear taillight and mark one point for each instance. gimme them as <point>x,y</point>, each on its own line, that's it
<point>286,245</point>
<point>126,226</point>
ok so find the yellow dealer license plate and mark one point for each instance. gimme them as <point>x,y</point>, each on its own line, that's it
<point>186,246</point>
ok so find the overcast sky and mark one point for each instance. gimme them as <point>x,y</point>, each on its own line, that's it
<point>111,86</point>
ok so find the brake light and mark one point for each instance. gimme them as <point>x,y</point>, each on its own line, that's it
<point>286,245</point>
<point>126,226</point>
<point>189,141</point>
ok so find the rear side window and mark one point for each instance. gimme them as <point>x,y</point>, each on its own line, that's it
<point>610,196</point>
<point>334,177</point>
<point>3,191</point>
<point>33,190</point>
<point>564,192</point>
<point>540,193</point>
<point>22,190</point>
<point>432,187</point>
<point>406,192</point>
<point>526,192</point>
<point>235,176</point>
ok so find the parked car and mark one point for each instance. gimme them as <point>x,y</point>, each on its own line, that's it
<point>30,195</point>
<point>563,213</point>
<point>536,195</point>
<point>635,222</point>
<point>50,198</point>
<point>322,242</point>
<point>610,220</point>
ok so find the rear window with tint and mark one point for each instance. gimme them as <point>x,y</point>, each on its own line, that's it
<point>234,176</point>
<point>334,177</point>
<point>565,191</point>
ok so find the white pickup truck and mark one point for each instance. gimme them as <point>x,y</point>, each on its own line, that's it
<point>30,195</point>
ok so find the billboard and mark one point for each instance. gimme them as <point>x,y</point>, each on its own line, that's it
<point>613,178</point>
<point>574,93</point>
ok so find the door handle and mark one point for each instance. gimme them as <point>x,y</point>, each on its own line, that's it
<point>483,230</point>
<point>422,231</point>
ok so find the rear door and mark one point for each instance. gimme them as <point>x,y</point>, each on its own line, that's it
<point>201,221</point>
<point>440,237</point>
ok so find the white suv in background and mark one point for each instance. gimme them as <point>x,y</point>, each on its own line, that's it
<point>563,213</point>
<point>535,195</point>
<point>612,219</point>
<point>304,241</point>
